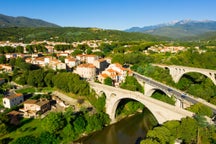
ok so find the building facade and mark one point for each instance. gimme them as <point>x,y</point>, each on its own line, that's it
<point>13,100</point>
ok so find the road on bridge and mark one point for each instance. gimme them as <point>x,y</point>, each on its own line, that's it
<point>177,93</point>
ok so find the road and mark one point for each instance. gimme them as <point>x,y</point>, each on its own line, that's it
<point>177,93</point>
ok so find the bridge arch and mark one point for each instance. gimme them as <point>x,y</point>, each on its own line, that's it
<point>150,91</point>
<point>178,72</point>
<point>116,103</point>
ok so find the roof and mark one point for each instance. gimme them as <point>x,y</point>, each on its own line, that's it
<point>104,75</point>
<point>101,60</point>
<point>86,66</point>
<point>12,96</point>
<point>13,113</point>
<point>36,102</point>
<point>90,55</point>
<point>30,101</point>
<point>42,102</point>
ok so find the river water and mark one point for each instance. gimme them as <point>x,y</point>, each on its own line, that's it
<point>127,131</point>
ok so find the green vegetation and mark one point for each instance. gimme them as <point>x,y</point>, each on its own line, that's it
<point>131,83</point>
<point>56,127</point>
<point>188,130</point>
<point>70,34</point>
<point>201,109</point>
<point>163,97</point>
<point>127,107</point>
<point>26,90</point>
<point>98,101</point>
<point>108,81</point>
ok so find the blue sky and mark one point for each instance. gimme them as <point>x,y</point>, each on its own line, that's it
<point>110,14</point>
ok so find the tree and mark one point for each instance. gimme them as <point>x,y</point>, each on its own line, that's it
<point>76,52</point>
<point>149,141</point>
<point>19,49</point>
<point>68,133</point>
<point>161,135</point>
<point>132,84</point>
<point>53,122</point>
<point>201,109</point>
<point>30,49</point>
<point>188,130</point>
<point>79,124</point>
<point>3,59</point>
<point>89,51</point>
<point>48,79</point>
<point>29,139</point>
<point>108,81</point>
<point>48,138</point>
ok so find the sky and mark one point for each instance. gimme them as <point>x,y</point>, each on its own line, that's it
<point>110,14</point>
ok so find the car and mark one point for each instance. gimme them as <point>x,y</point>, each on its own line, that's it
<point>183,95</point>
<point>169,89</point>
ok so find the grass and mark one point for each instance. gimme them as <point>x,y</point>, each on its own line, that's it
<point>26,90</point>
<point>27,127</point>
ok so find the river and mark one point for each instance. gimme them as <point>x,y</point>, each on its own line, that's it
<point>127,131</point>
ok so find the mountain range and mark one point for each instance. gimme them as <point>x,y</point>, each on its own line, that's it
<point>9,21</point>
<point>183,29</point>
<point>178,29</point>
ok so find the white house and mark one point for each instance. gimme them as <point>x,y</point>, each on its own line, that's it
<point>71,62</point>
<point>13,100</point>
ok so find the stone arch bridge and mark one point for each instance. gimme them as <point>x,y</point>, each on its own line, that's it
<point>162,111</point>
<point>178,71</point>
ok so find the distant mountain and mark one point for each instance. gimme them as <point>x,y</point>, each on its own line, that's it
<point>9,21</point>
<point>178,29</point>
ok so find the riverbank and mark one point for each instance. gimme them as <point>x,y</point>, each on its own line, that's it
<point>129,130</point>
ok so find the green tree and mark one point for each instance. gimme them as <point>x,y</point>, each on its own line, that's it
<point>108,81</point>
<point>3,59</point>
<point>79,124</point>
<point>201,109</point>
<point>132,84</point>
<point>188,130</point>
<point>48,79</point>
<point>19,49</point>
<point>149,141</point>
<point>68,133</point>
<point>89,51</point>
<point>53,122</point>
<point>48,138</point>
<point>29,139</point>
<point>161,135</point>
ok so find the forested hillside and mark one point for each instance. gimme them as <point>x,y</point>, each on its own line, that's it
<point>71,34</point>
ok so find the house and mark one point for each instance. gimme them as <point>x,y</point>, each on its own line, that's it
<point>87,58</point>
<point>71,62</point>
<point>91,58</point>
<point>14,117</point>
<point>81,57</point>
<point>87,71</point>
<point>33,108</point>
<point>13,100</point>
<point>116,72</point>
<point>6,68</point>
<point>101,65</point>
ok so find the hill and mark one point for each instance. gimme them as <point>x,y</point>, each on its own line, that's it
<point>178,30</point>
<point>9,21</point>
<point>71,34</point>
